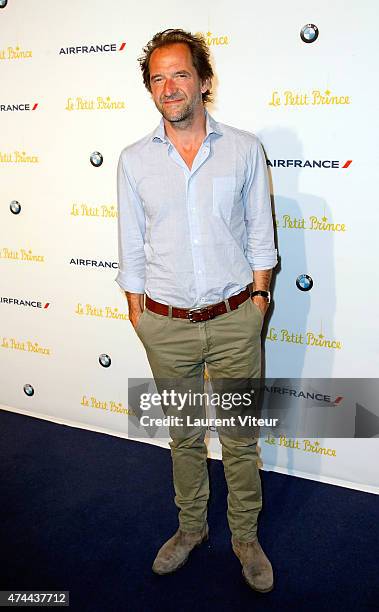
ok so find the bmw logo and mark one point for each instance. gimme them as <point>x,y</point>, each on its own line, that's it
<point>14,205</point>
<point>96,159</point>
<point>105,360</point>
<point>3,3</point>
<point>304,282</point>
<point>309,33</point>
<point>28,390</point>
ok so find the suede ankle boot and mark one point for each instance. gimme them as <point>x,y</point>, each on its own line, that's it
<point>175,552</point>
<point>256,568</point>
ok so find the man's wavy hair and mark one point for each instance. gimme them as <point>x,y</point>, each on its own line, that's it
<point>199,53</point>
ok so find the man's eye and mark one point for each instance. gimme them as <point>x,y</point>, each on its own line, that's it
<point>156,79</point>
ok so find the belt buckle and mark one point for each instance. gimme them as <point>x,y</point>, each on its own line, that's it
<point>197,310</point>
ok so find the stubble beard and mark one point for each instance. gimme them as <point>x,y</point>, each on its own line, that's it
<point>180,118</point>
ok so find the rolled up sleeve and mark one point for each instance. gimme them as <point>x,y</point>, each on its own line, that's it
<point>261,252</point>
<point>131,232</point>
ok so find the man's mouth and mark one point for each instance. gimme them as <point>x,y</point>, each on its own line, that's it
<point>172,101</point>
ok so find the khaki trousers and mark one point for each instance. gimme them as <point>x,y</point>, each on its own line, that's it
<point>230,346</point>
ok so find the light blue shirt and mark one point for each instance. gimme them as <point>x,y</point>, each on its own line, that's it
<point>192,237</point>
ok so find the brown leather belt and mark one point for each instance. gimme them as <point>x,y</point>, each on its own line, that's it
<point>196,315</point>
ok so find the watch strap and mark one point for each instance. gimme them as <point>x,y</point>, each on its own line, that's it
<point>262,293</point>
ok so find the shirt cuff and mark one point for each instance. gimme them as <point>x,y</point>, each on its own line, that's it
<point>133,284</point>
<point>266,261</point>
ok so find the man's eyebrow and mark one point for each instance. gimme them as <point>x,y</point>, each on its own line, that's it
<point>159,74</point>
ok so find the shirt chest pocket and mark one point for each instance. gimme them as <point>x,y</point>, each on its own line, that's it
<point>224,191</point>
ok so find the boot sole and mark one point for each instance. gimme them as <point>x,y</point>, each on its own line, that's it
<point>159,573</point>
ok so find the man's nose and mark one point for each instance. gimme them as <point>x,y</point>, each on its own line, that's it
<point>169,87</point>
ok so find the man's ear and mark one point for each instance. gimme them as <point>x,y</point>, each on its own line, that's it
<point>206,85</point>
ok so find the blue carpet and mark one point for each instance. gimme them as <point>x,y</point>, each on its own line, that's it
<point>87,512</point>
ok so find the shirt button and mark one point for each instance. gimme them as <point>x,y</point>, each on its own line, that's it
<point>196,241</point>
<point>199,271</point>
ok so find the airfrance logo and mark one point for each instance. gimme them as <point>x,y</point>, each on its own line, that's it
<point>85,49</point>
<point>24,106</point>
<point>94,263</point>
<point>303,394</point>
<point>309,163</point>
<point>16,302</point>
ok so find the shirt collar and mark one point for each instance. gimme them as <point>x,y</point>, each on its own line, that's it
<point>159,133</point>
<point>211,127</point>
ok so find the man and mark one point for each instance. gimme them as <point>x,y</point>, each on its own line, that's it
<point>195,230</point>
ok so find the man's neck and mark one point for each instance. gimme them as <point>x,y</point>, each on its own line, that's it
<point>189,133</point>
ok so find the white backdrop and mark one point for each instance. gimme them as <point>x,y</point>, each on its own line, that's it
<point>315,103</point>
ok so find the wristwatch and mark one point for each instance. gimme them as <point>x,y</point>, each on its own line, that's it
<point>265,294</point>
